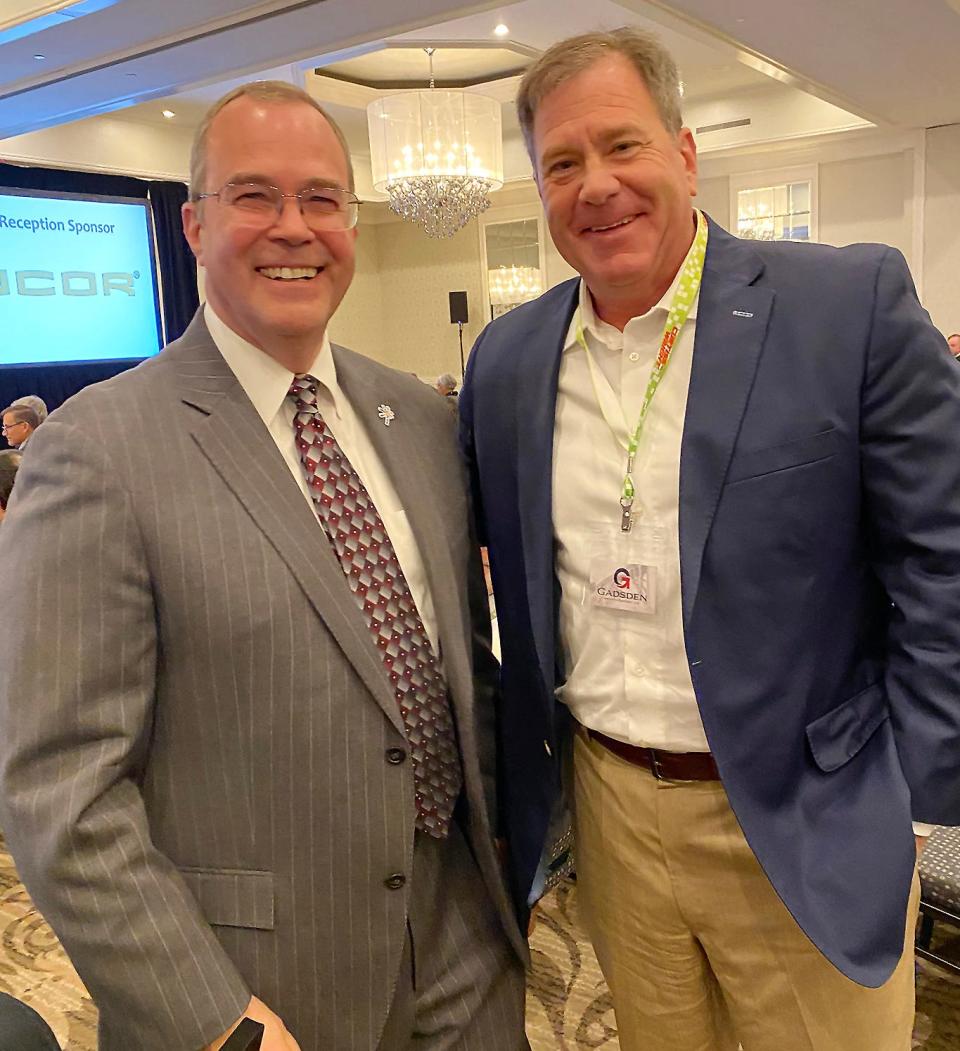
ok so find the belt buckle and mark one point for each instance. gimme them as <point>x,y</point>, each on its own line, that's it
<point>655,767</point>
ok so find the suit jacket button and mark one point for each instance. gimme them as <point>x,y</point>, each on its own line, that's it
<point>395,881</point>
<point>396,755</point>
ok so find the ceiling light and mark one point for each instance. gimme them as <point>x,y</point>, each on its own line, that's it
<point>501,29</point>
<point>437,154</point>
<point>39,58</point>
<point>169,114</point>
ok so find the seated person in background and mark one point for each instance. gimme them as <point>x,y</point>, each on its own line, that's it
<point>9,463</point>
<point>32,401</point>
<point>953,342</point>
<point>19,422</point>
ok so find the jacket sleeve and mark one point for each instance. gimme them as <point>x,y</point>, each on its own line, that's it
<point>910,451</point>
<point>77,693</point>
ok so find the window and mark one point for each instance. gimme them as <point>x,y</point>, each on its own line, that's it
<point>775,205</point>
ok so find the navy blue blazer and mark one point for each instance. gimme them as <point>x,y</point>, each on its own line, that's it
<point>820,570</point>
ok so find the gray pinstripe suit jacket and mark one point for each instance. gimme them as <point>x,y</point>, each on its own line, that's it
<point>193,720</point>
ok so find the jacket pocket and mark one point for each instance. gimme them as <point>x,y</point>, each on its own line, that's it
<point>836,737</point>
<point>232,897</point>
<point>755,462</point>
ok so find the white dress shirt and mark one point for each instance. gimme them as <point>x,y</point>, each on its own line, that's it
<point>626,674</point>
<point>267,384</point>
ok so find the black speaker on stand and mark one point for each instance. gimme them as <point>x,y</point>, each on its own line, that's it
<point>458,317</point>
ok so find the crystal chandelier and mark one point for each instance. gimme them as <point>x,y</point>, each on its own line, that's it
<point>437,154</point>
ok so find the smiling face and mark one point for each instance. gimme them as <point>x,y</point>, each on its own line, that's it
<point>276,285</point>
<point>616,186</point>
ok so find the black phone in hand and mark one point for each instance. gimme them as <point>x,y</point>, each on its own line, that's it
<point>246,1037</point>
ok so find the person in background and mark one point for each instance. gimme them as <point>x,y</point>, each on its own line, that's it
<point>447,386</point>
<point>236,774</point>
<point>721,498</point>
<point>953,342</point>
<point>9,464</point>
<point>32,401</point>
<point>19,423</point>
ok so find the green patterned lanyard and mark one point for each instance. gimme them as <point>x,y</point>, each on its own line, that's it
<point>683,299</point>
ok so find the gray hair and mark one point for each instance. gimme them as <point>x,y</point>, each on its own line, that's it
<point>23,414</point>
<point>261,91</point>
<point>570,57</point>
<point>32,401</point>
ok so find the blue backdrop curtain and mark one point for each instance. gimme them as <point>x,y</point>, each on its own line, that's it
<point>178,276</point>
<point>178,269</point>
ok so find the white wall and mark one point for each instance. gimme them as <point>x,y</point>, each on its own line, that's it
<point>358,324</point>
<point>941,252</point>
<point>397,309</point>
<point>868,199</point>
<point>713,197</point>
<point>107,144</point>
<point>870,186</point>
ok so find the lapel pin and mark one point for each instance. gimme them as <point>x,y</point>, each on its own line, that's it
<point>742,313</point>
<point>386,414</point>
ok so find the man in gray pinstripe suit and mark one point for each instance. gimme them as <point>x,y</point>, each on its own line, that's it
<point>206,778</point>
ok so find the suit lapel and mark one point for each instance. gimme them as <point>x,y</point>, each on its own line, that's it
<point>539,349</point>
<point>233,438</point>
<point>400,447</point>
<point>731,325</point>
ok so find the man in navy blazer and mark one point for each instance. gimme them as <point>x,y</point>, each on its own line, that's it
<point>746,633</point>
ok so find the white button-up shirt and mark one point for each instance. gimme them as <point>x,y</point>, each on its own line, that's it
<point>626,674</point>
<point>267,384</point>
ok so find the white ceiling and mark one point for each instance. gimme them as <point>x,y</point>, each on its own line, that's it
<point>708,69</point>
<point>891,61</point>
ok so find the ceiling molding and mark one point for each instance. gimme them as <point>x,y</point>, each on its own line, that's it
<point>293,35</point>
<point>670,17</point>
<point>203,31</point>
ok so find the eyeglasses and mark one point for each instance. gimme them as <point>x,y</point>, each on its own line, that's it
<point>322,207</point>
<point>7,428</point>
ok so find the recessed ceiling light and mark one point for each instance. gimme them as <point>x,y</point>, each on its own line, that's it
<point>39,58</point>
<point>169,114</point>
<point>501,29</point>
<point>131,75</point>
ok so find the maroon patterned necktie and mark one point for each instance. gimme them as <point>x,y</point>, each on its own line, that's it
<point>354,527</point>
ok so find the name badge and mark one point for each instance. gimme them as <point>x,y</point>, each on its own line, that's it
<point>630,587</point>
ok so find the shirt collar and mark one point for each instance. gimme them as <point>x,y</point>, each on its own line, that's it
<point>264,380</point>
<point>613,337</point>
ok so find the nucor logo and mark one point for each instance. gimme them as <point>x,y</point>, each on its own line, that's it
<point>71,283</point>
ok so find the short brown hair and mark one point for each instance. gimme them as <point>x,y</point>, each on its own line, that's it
<point>22,414</point>
<point>9,465</point>
<point>261,91</point>
<point>572,56</point>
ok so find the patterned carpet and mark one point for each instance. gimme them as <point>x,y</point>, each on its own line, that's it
<point>568,1006</point>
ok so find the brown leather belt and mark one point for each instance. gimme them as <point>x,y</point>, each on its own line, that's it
<point>665,766</point>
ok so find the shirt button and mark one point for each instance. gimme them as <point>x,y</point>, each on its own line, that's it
<point>396,755</point>
<point>395,881</point>
<point>547,748</point>
<point>634,356</point>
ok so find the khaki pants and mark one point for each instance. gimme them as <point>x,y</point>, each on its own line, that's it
<point>697,947</point>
